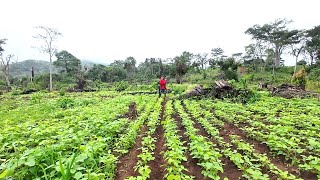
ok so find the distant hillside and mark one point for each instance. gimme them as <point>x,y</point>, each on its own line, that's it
<point>90,63</point>
<point>23,68</point>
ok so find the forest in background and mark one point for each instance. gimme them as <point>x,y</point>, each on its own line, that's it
<point>261,62</point>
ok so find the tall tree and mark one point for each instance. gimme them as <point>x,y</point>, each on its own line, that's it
<point>202,59</point>
<point>115,73</point>
<point>5,64</point>
<point>237,57</point>
<point>182,64</point>
<point>118,63</point>
<point>251,57</point>
<point>313,43</point>
<point>270,55</point>
<point>275,34</point>
<point>48,36</point>
<point>216,55</point>
<point>130,66</point>
<point>68,62</point>
<point>297,49</point>
<point>254,55</point>
<point>97,72</point>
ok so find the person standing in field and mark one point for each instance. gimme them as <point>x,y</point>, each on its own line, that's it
<point>162,86</point>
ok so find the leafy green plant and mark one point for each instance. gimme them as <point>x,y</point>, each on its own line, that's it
<point>299,78</point>
<point>66,170</point>
<point>200,148</point>
<point>65,103</point>
<point>37,97</point>
<point>121,85</point>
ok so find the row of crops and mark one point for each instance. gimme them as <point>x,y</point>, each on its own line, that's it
<point>67,137</point>
<point>85,137</point>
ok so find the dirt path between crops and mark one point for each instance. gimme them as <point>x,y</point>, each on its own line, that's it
<point>126,163</point>
<point>231,129</point>
<point>231,171</point>
<point>260,147</point>
<point>157,166</point>
<point>191,164</point>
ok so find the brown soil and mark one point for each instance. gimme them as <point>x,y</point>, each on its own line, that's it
<point>193,168</point>
<point>229,129</point>
<point>126,163</point>
<point>230,169</point>
<point>261,148</point>
<point>197,125</point>
<point>157,166</point>
<point>132,113</point>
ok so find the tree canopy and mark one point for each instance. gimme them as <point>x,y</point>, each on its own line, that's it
<point>68,62</point>
<point>276,34</point>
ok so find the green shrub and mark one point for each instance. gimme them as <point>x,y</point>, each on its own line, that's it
<point>250,77</point>
<point>285,69</point>
<point>15,92</point>
<point>98,84</point>
<point>2,83</point>
<point>65,103</point>
<point>31,85</point>
<point>121,86</point>
<point>314,74</point>
<point>229,74</point>
<point>62,92</point>
<point>299,78</point>
<point>243,83</point>
<point>37,97</point>
<point>313,86</point>
<point>180,88</point>
<point>41,81</point>
<point>249,96</point>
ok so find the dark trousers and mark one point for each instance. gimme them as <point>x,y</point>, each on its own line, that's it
<point>162,91</point>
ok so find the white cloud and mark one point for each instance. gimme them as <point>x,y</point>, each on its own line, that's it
<point>109,30</point>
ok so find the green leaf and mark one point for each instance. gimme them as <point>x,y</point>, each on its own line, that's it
<point>30,162</point>
<point>173,177</point>
<point>6,173</point>
<point>78,175</point>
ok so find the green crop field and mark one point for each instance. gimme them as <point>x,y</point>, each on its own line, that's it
<point>91,136</point>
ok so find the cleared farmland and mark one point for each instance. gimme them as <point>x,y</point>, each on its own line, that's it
<point>92,136</point>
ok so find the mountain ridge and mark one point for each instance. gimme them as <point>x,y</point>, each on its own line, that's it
<point>23,68</point>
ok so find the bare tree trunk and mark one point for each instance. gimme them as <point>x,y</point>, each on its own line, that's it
<point>32,74</point>
<point>273,68</point>
<point>50,74</point>
<point>295,67</point>
<point>277,58</point>
<point>5,68</point>
<point>7,80</point>
<point>48,37</point>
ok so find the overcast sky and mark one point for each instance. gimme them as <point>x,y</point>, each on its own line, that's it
<point>105,30</point>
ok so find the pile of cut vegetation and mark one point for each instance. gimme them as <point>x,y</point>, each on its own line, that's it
<point>223,90</point>
<point>291,91</point>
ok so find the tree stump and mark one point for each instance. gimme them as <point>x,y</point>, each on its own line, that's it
<point>132,112</point>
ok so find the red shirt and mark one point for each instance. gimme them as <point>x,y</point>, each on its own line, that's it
<point>163,83</point>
